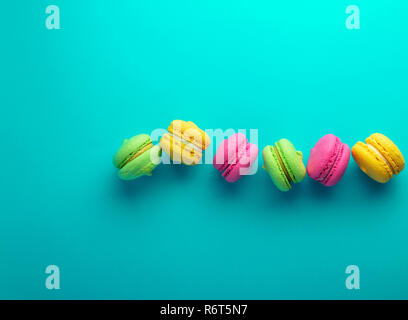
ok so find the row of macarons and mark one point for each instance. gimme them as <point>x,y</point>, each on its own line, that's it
<point>184,142</point>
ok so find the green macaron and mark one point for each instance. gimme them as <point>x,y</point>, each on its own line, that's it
<point>137,157</point>
<point>284,164</point>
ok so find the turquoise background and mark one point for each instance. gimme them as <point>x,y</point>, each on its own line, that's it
<point>118,68</point>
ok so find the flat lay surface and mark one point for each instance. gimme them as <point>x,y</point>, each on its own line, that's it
<point>288,69</point>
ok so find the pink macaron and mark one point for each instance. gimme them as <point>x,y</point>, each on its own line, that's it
<point>235,157</point>
<point>328,160</point>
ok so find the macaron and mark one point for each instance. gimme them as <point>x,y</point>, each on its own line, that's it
<point>234,157</point>
<point>184,142</point>
<point>328,160</point>
<point>137,157</point>
<point>379,157</point>
<point>284,164</point>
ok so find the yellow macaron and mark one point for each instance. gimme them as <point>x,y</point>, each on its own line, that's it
<point>379,157</point>
<point>184,142</point>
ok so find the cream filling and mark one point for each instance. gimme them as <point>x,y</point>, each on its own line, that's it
<point>282,164</point>
<point>138,153</point>
<point>185,142</point>
<point>176,131</point>
<point>380,155</point>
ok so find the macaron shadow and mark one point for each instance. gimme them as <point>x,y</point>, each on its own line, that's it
<point>370,187</point>
<point>221,186</point>
<point>273,196</point>
<point>179,170</point>
<point>318,190</point>
<point>133,189</point>
<point>166,176</point>
<point>163,176</point>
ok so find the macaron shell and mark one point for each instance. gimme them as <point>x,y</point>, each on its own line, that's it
<point>178,151</point>
<point>272,166</point>
<point>142,165</point>
<point>247,158</point>
<point>235,156</point>
<point>243,165</point>
<point>228,150</point>
<point>388,150</point>
<point>339,167</point>
<point>190,132</point>
<point>130,147</point>
<point>292,159</point>
<point>371,163</point>
<point>322,156</point>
